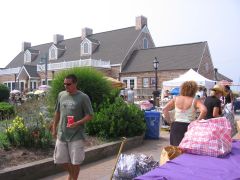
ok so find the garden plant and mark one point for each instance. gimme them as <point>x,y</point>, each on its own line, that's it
<point>113,118</point>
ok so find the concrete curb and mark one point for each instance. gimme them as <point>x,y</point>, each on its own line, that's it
<point>46,167</point>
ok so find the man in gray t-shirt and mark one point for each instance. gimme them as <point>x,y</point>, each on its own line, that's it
<point>73,105</point>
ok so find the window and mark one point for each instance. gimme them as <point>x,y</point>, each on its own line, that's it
<point>153,81</point>
<point>125,81</point>
<point>53,54</point>
<point>85,48</point>
<point>33,85</point>
<point>145,43</point>
<point>27,57</point>
<point>145,82</point>
<point>13,85</point>
<point>131,83</point>
<point>9,85</point>
<point>21,86</point>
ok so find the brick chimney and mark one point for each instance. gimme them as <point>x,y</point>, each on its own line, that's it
<point>86,32</point>
<point>25,45</point>
<point>141,21</point>
<point>57,38</point>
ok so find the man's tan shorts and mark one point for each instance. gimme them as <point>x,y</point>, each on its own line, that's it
<point>69,152</point>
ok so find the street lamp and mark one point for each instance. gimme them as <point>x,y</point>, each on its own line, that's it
<point>44,60</point>
<point>156,92</point>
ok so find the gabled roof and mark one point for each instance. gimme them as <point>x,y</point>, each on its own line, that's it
<point>114,46</point>
<point>30,70</point>
<point>18,61</point>
<point>220,77</point>
<point>183,56</point>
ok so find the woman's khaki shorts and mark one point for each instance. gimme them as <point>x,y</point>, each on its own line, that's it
<point>69,152</point>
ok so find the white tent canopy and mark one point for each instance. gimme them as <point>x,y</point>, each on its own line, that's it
<point>190,75</point>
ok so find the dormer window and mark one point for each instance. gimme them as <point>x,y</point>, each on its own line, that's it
<point>27,57</point>
<point>145,43</point>
<point>86,47</point>
<point>53,53</point>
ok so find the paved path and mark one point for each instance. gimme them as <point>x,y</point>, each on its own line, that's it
<point>102,170</point>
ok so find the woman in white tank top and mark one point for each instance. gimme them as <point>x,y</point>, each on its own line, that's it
<point>185,106</point>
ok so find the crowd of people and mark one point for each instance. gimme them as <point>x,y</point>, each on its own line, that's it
<point>72,104</point>
<point>192,101</point>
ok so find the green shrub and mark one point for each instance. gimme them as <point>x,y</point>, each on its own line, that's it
<point>4,93</point>
<point>17,132</point>
<point>30,128</point>
<point>6,110</point>
<point>21,134</point>
<point>4,143</point>
<point>117,120</point>
<point>90,81</point>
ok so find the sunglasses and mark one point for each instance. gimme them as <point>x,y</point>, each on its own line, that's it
<point>67,84</point>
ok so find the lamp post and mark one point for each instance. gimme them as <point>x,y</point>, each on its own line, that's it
<point>155,92</point>
<point>44,60</point>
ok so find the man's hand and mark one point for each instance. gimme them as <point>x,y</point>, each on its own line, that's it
<point>73,125</point>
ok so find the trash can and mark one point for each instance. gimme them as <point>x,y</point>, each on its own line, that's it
<point>152,119</point>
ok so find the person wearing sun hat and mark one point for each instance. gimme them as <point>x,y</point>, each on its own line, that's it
<point>213,102</point>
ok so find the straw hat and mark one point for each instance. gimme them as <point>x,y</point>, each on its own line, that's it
<point>220,89</point>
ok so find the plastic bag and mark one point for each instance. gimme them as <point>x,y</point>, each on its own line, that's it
<point>126,167</point>
<point>145,164</point>
<point>208,137</point>
<point>230,116</point>
<point>130,166</point>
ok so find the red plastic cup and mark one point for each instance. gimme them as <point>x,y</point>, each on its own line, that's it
<point>70,120</point>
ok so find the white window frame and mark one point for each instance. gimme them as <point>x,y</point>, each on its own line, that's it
<point>43,80</point>
<point>27,57</point>
<point>51,57</point>
<point>11,84</point>
<point>145,82</point>
<point>128,81</point>
<point>85,48</point>
<point>89,48</point>
<point>32,84</point>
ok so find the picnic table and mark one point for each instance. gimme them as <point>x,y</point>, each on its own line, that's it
<point>197,167</point>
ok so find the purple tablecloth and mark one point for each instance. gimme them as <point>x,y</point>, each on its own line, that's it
<point>196,167</point>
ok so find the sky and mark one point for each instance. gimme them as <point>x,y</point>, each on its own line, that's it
<point>170,22</point>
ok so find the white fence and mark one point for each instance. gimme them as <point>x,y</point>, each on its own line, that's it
<point>77,63</point>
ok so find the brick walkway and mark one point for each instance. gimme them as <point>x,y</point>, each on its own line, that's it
<point>102,170</point>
